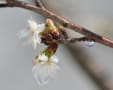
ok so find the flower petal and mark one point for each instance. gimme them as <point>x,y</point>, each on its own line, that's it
<point>43,58</point>
<point>22,34</point>
<point>40,27</point>
<point>32,25</point>
<point>32,33</point>
<point>37,38</point>
<point>35,43</point>
<point>40,74</point>
<point>44,72</point>
<point>54,59</point>
<point>53,69</point>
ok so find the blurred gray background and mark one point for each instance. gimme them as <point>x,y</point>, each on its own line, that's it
<point>16,59</point>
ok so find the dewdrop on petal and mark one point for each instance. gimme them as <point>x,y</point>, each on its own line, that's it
<point>44,69</point>
<point>32,33</point>
<point>89,43</point>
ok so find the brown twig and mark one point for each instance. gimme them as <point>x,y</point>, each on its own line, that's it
<point>61,20</point>
<point>69,40</point>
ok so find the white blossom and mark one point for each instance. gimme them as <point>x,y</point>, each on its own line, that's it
<point>32,32</point>
<point>45,71</point>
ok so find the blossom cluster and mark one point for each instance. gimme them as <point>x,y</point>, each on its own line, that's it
<point>45,65</point>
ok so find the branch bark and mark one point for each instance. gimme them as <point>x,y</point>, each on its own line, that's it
<point>66,23</point>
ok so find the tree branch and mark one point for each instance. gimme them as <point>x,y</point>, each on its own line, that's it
<point>66,23</point>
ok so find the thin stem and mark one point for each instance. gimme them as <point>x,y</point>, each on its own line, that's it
<point>69,40</point>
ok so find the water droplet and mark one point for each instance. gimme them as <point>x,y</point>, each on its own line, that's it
<point>89,43</point>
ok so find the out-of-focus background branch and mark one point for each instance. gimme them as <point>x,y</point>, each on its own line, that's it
<point>15,62</point>
<point>95,71</point>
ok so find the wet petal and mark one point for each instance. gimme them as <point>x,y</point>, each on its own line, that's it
<point>35,44</point>
<point>32,25</point>
<point>40,74</point>
<point>54,59</point>
<point>40,27</point>
<point>37,38</point>
<point>23,34</point>
<point>32,33</point>
<point>53,70</point>
<point>44,72</point>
